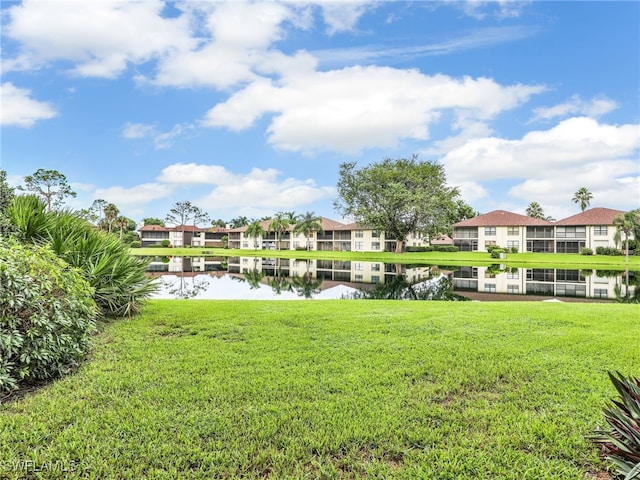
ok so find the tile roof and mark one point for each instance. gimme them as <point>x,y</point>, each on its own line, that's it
<point>327,224</point>
<point>501,218</point>
<point>593,216</point>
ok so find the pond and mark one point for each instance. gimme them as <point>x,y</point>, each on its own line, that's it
<point>253,278</point>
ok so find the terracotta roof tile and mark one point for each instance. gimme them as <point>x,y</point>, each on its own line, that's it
<point>501,218</point>
<point>593,216</point>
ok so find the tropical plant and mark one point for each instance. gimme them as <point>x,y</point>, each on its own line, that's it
<point>47,314</point>
<point>6,197</point>
<point>122,223</point>
<point>50,185</point>
<point>153,221</point>
<point>280,224</point>
<point>627,224</point>
<point>255,230</point>
<point>110,215</point>
<point>398,197</point>
<point>308,223</point>
<point>29,219</point>
<point>240,221</point>
<point>621,443</point>
<point>534,210</point>
<point>306,286</point>
<point>118,278</point>
<point>583,197</point>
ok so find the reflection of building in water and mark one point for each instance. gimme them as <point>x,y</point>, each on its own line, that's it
<point>186,264</point>
<point>539,281</point>
<point>331,270</point>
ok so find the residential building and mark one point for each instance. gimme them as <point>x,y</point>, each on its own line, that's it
<point>183,235</point>
<point>505,229</point>
<point>592,228</point>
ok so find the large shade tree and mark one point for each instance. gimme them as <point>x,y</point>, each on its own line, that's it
<point>49,185</point>
<point>400,197</point>
<point>583,197</point>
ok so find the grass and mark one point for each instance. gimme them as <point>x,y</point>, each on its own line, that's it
<point>544,260</point>
<point>268,389</point>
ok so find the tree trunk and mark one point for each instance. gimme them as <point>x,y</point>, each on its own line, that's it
<point>399,246</point>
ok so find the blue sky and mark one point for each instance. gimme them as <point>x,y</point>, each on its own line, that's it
<point>248,108</point>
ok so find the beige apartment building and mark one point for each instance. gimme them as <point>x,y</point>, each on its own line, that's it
<point>591,229</point>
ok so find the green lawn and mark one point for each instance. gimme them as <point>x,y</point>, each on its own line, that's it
<point>331,389</point>
<point>544,260</point>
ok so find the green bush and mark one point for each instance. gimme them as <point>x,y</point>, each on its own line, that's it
<point>47,314</point>
<point>621,444</point>
<point>119,278</point>
<point>497,252</point>
<point>586,251</point>
<point>135,244</point>
<point>514,249</point>
<point>611,251</point>
<point>165,243</point>
<point>418,249</point>
<point>445,248</point>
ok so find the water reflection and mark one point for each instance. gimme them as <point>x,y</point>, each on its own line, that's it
<point>271,278</point>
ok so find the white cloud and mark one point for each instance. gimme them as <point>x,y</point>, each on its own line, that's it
<point>100,37</point>
<point>19,109</point>
<point>256,192</point>
<point>341,16</point>
<point>576,106</point>
<point>578,152</point>
<point>134,196</point>
<point>354,108</point>
<point>161,140</point>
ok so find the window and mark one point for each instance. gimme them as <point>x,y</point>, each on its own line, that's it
<point>600,292</point>
<point>513,274</point>
<point>375,279</point>
<point>359,234</point>
<point>489,243</point>
<point>489,274</point>
<point>571,232</point>
<point>359,245</point>
<point>358,278</point>
<point>491,231</point>
<point>245,244</point>
<point>375,245</point>
<point>490,287</point>
<point>513,244</point>
<point>375,267</point>
<point>375,233</point>
<point>513,289</point>
<point>513,230</point>
<point>357,266</point>
<point>600,230</point>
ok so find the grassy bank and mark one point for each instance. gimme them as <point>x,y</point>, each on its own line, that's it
<point>222,389</point>
<point>543,260</point>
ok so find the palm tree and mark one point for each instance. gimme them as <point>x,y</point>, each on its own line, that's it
<point>626,223</point>
<point>122,223</point>
<point>307,224</point>
<point>111,214</point>
<point>280,224</point>
<point>255,230</point>
<point>534,210</point>
<point>583,197</point>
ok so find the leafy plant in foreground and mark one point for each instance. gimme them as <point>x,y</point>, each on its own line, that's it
<point>621,444</point>
<point>47,314</point>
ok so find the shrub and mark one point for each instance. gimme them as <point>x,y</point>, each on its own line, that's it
<point>611,251</point>
<point>497,252</point>
<point>135,244</point>
<point>445,248</point>
<point>118,278</point>
<point>418,249</point>
<point>165,243</point>
<point>586,251</point>
<point>47,314</point>
<point>514,249</point>
<point>621,444</point>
